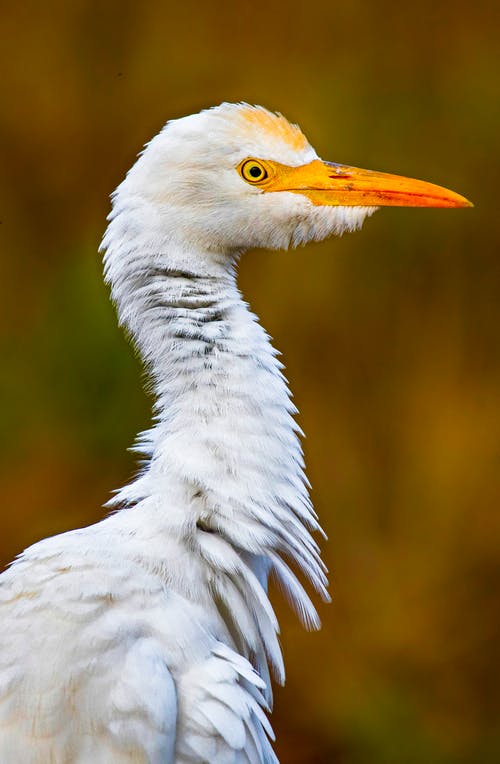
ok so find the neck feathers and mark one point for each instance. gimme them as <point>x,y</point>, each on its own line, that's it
<point>224,461</point>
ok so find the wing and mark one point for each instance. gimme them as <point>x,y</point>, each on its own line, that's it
<point>221,716</point>
<point>85,651</point>
<point>134,718</point>
<point>81,677</point>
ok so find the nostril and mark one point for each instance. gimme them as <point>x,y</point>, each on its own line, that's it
<point>338,170</point>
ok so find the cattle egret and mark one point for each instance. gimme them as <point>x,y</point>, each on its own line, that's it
<point>149,636</point>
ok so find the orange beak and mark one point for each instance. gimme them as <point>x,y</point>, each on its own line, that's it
<point>329,184</point>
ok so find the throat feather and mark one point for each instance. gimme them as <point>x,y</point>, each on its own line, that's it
<point>225,465</point>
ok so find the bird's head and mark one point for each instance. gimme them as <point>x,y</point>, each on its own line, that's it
<point>237,176</point>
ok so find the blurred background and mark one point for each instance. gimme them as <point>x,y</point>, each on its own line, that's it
<point>390,336</point>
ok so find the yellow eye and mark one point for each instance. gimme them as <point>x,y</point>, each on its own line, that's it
<point>253,171</point>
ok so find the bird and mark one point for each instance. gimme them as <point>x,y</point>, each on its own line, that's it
<point>149,636</point>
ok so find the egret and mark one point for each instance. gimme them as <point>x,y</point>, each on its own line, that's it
<point>149,636</point>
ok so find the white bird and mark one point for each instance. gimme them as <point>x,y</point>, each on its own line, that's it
<point>147,637</point>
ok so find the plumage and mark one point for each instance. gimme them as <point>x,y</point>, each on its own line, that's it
<point>148,637</point>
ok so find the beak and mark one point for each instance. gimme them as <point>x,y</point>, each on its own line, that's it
<point>329,184</point>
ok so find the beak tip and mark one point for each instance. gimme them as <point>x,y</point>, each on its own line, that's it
<point>463,202</point>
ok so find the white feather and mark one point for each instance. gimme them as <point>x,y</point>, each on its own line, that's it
<point>132,640</point>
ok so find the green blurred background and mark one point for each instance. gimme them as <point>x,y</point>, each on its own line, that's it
<point>390,336</point>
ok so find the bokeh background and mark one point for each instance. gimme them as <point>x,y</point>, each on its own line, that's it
<point>390,336</point>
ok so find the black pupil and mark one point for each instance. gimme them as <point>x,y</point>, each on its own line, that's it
<point>255,171</point>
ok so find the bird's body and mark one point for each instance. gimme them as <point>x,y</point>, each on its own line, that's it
<point>147,637</point>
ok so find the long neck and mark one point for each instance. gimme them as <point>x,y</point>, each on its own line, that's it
<point>223,455</point>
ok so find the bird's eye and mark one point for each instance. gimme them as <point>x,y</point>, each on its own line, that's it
<point>253,171</point>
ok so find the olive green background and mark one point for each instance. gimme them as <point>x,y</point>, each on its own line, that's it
<point>390,336</point>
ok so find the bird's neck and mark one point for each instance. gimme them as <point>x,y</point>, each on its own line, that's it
<point>224,435</point>
<point>224,464</point>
